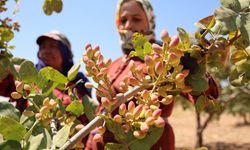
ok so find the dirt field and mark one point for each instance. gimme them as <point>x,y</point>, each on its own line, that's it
<point>223,134</point>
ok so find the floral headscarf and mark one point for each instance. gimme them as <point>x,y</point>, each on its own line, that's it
<point>125,36</point>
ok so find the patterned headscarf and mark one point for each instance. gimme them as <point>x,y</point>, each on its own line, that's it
<point>125,36</point>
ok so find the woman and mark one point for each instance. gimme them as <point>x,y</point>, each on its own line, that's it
<point>135,16</point>
<point>55,51</point>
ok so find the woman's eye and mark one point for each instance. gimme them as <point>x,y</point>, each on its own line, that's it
<point>54,45</point>
<point>123,21</point>
<point>136,20</point>
<point>48,45</point>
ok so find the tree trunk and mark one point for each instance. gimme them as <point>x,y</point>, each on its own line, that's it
<point>201,127</point>
<point>199,131</point>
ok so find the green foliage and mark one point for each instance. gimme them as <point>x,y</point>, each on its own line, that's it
<point>147,142</point>
<point>141,45</point>
<point>73,72</point>
<point>8,110</point>
<point>185,39</point>
<point>52,5</point>
<point>200,104</point>
<point>51,74</point>
<point>35,141</point>
<point>90,106</point>
<point>117,130</point>
<point>40,131</point>
<point>28,72</point>
<point>62,136</point>
<point>128,138</point>
<point>3,72</point>
<point>10,144</point>
<point>113,146</point>
<point>76,108</point>
<point>233,15</point>
<point>230,27</point>
<point>6,34</point>
<point>10,127</point>
<point>237,100</point>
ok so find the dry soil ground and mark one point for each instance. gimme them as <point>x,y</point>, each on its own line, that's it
<point>223,134</point>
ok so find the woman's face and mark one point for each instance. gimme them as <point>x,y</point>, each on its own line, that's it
<point>50,54</point>
<point>133,17</point>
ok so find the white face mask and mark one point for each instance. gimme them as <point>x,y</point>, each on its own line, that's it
<point>126,37</point>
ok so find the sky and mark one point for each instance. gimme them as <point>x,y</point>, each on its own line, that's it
<point>93,21</point>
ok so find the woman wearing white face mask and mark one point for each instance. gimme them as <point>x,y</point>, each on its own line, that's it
<point>133,16</point>
<point>136,16</point>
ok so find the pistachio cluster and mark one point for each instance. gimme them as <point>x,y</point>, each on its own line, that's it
<point>162,70</point>
<point>96,67</point>
<point>21,90</point>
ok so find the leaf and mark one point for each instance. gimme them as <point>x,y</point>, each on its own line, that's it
<point>244,4</point>
<point>206,22</point>
<point>8,110</point>
<point>241,43</point>
<point>49,88</point>
<point>10,127</point>
<point>76,108</point>
<point>89,107</point>
<point>73,72</point>
<point>3,72</point>
<point>220,28</point>
<point>53,75</point>
<point>6,34</point>
<point>28,72</point>
<point>199,85</point>
<point>35,141</point>
<point>116,129</point>
<point>185,39</point>
<point>29,133</point>
<point>17,60</point>
<point>62,135</point>
<point>235,78</point>
<point>38,100</point>
<point>47,7</point>
<point>147,48</point>
<point>147,142</point>
<point>13,70</point>
<point>57,5</point>
<point>200,103</point>
<point>238,56</point>
<point>46,140</point>
<point>245,26</point>
<point>26,121</point>
<point>141,45</point>
<point>42,81</point>
<point>227,18</point>
<point>10,145</point>
<point>231,4</point>
<point>115,146</point>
